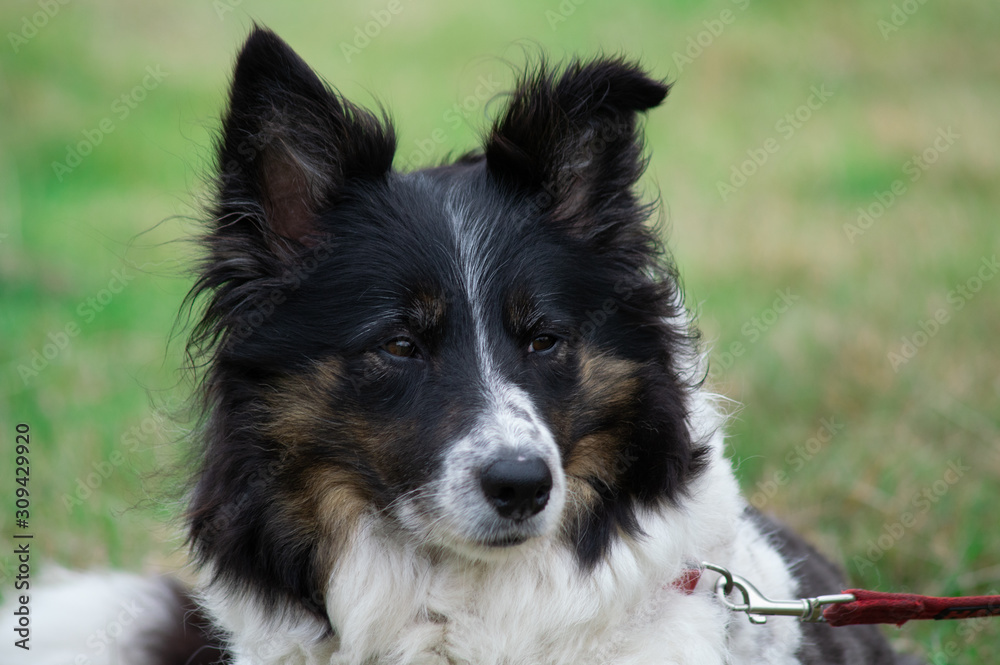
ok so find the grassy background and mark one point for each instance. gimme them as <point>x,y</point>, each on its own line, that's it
<point>881,494</point>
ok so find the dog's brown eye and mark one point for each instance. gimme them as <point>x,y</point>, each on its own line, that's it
<point>541,344</point>
<point>401,348</point>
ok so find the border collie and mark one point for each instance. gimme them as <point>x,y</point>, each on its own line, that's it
<point>457,415</point>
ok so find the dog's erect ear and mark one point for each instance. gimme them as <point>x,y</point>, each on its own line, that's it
<point>290,144</point>
<point>571,141</point>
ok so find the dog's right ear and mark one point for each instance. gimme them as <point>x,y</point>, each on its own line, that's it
<point>289,146</point>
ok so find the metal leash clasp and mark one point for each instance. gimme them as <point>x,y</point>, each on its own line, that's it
<point>758,606</point>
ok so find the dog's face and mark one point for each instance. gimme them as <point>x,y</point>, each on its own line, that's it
<point>473,357</point>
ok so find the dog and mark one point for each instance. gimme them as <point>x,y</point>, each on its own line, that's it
<point>458,415</point>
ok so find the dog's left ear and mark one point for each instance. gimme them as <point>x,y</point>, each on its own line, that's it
<point>572,142</point>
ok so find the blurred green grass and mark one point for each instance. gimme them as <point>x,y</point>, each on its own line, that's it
<point>130,201</point>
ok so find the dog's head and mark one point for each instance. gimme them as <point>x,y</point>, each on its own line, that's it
<point>474,356</point>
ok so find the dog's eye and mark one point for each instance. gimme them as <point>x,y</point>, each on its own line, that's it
<point>401,348</point>
<point>542,344</point>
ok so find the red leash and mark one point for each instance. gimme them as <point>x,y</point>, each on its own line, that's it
<point>898,608</point>
<point>853,606</point>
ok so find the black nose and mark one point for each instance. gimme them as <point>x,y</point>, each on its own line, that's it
<point>517,487</point>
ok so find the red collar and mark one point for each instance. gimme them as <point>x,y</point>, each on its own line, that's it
<point>687,580</point>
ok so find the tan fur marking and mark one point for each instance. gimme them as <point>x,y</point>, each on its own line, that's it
<point>336,504</point>
<point>329,500</point>
<point>298,403</point>
<point>428,311</point>
<point>519,310</point>
<point>608,383</point>
<point>608,386</point>
<point>594,456</point>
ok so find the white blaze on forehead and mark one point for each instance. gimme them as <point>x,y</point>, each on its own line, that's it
<point>509,418</point>
<point>471,241</point>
